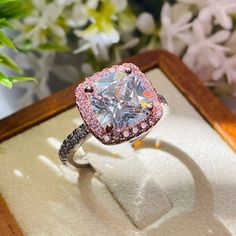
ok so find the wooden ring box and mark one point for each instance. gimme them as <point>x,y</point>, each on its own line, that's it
<point>214,112</point>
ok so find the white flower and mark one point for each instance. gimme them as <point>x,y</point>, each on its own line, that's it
<point>219,10</point>
<point>99,42</point>
<point>78,16</point>
<point>41,65</point>
<point>145,23</point>
<point>231,43</point>
<point>204,46</point>
<point>203,69</point>
<point>174,34</point>
<point>87,69</point>
<point>65,2</point>
<point>42,21</point>
<point>127,22</point>
<point>227,67</point>
<point>101,33</point>
<point>120,5</point>
<point>130,43</point>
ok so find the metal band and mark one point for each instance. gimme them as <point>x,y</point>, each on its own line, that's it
<point>71,144</point>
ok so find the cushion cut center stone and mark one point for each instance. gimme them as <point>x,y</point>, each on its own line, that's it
<point>120,99</point>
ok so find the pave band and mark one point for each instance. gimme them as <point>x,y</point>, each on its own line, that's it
<point>71,144</point>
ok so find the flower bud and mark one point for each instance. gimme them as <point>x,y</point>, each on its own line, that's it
<point>146,23</point>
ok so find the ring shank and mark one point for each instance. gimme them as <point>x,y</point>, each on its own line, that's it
<point>71,144</point>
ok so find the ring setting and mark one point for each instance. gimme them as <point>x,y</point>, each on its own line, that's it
<point>117,104</point>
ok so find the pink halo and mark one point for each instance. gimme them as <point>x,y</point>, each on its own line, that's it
<point>126,133</point>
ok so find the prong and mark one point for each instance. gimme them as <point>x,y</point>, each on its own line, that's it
<point>150,107</point>
<point>128,70</point>
<point>88,89</point>
<point>109,128</point>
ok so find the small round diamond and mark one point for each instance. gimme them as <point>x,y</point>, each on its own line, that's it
<point>159,112</point>
<point>151,122</point>
<point>106,138</point>
<point>126,133</point>
<point>135,130</point>
<point>98,128</point>
<point>144,125</point>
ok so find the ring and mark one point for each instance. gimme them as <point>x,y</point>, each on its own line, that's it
<point>117,104</point>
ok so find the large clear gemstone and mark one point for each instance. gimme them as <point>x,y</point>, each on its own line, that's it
<point>121,99</point>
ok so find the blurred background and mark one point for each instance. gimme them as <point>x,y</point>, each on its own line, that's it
<point>49,44</point>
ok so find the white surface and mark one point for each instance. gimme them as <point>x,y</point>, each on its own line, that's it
<point>48,199</point>
<point>131,184</point>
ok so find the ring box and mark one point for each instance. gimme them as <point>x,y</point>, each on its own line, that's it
<point>199,183</point>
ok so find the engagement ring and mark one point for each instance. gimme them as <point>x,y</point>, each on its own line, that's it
<point>117,104</point>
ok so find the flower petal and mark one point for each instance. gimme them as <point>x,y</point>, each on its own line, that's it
<point>184,19</point>
<point>205,14</point>
<point>217,74</point>
<point>120,4</point>
<point>165,11</point>
<point>198,30</point>
<point>223,19</point>
<point>220,36</point>
<point>145,23</point>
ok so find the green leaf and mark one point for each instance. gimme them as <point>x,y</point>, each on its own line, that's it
<point>21,78</point>
<point>9,81</point>
<point>54,46</point>
<point>6,82</point>
<point>15,9</point>
<point>6,41</point>
<point>5,23</point>
<point>7,1</point>
<point>7,61</point>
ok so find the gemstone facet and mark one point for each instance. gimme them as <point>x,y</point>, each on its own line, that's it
<point>118,102</point>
